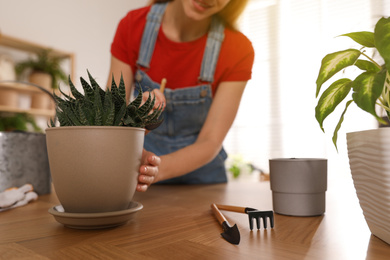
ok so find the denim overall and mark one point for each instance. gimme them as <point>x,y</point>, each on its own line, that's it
<point>186,108</point>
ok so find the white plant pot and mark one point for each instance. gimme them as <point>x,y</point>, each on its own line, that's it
<point>369,154</point>
<point>94,168</point>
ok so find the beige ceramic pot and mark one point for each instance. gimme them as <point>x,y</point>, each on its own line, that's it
<point>94,168</point>
<point>41,100</point>
<point>9,98</point>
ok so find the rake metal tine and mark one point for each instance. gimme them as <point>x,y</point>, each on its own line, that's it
<point>250,222</point>
<point>260,214</point>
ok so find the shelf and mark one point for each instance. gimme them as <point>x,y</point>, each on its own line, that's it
<point>31,111</point>
<point>22,45</point>
<point>20,87</point>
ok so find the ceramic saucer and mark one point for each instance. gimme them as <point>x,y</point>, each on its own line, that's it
<point>95,220</point>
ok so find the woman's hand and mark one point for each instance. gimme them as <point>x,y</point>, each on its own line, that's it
<point>148,170</point>
<point>160,98</point>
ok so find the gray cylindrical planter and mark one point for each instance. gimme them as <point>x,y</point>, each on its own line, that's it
<point>298,186</point>
<point>23,159</point>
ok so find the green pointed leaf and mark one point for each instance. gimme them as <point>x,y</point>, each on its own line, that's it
<point>52,123</point>
<point>66,97</point>
<point>128,121</point>
<point>81,114</point>
<point>363,38</point>
<point>333,63</point>
<point>382,39</point>
<point>367,88</point>
<point>109,109</point>
<point>88,91</point>
<point>74,90</point>
<point>147,106</point>
<point>331,98</point>
<point>155,115</point>
<point>72,118</point>
<point>93,82</point>
<point>367,66</point>
<point>120,115</point>
<point>121,88</point>
<point>113,84</point>
<point>336,130</point>
<point>131,110</point>
<point>138,100</point>
<point>98,106</point>
<point>116,96</point>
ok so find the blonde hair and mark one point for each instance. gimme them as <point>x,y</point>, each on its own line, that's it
<point>229,15</point>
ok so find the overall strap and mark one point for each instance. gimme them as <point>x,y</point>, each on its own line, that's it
<point>211,53</point>
<point>150,33</point>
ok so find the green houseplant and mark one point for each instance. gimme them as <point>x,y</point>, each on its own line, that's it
<point>98,107</point>
<point>370,88</point>
<point>45,71</point>
<point>95,152</point>
<point>18,122</point>
<point>45,63</point>
<point>367,150</point>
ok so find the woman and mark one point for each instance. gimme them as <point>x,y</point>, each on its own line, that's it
<point>193,44</point>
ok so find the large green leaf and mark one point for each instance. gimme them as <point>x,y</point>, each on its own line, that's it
<point>367,88</point>
<point>363,38</point>
<point>333,63</point>
<point>331,98</point>
<point>382,39</point>
<point>367,66</point>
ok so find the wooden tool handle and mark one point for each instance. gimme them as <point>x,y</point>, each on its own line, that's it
<point>231,208</point>
<point>162,85</point>
<point>221,218</point>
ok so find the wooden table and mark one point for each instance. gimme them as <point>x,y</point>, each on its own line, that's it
<point>177,223</point>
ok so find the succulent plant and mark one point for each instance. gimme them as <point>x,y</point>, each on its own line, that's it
<point>98,107</point>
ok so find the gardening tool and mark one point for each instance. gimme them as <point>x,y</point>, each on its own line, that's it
<point>162,88</point>
<point>230,234</point>
<point>252,214</point>
<point>162,85</point>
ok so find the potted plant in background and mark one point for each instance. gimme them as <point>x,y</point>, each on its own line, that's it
<point>369,150</point>
<point>8,97</point>
<point>44,71</point>
<point>18,122</point>
<point>95,153</point>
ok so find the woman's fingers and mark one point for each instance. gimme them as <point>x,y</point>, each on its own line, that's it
<point>159,98</point>
<point>148,171</point>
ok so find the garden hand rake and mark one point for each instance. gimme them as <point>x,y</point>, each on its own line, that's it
<point>252,214</point>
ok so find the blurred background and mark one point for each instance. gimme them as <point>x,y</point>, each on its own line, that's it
<point>290,37</point>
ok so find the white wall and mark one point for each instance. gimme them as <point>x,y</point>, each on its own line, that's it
<point>84,27</point>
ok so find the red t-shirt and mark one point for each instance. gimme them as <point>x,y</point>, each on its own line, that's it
<point>180,62</point>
